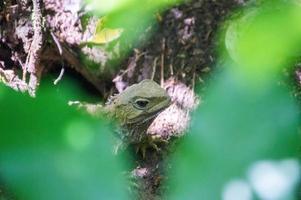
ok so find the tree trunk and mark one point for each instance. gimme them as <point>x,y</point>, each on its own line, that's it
<point>39,37</point>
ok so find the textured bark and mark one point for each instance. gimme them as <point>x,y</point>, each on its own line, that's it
<point>179,54</point>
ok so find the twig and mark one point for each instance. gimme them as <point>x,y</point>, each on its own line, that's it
<point>59,47</point>
<point>171,69</point>
<point>193,81</point>
<point>136,59</point>
<point>33,58</point>
<point>193,78</point>
<point>162,62</point>
<point>57,42</point>
<point>154,68</point>
<point>60,76</point>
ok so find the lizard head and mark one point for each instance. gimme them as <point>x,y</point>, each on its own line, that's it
<point>139,103</point>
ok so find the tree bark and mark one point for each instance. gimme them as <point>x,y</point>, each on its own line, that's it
<point>179,54</point>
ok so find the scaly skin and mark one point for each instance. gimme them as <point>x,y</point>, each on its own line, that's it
<point>136,108</point>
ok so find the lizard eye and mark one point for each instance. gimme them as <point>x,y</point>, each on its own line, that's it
<point>141,103</point>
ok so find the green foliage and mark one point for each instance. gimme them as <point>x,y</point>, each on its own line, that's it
<point>233,129</point>
<point>265,38</point>
<point>247,118</point>
<point>132,16</point>
<point>108,6</point>
<point>51,151</point>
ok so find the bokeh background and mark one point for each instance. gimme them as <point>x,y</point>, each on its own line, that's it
<point>244,139</point>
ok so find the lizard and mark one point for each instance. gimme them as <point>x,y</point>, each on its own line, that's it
<point>134,109</point>
<point>148,115</point>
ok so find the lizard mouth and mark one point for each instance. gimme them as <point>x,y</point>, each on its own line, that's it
<point>151,117</point>
<point>160,107</point>
<point>156,110</point>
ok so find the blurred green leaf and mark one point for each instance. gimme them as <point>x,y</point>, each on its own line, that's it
<point>263,39</point>
<point>235,127</point>
<point>50,151</point>
<point>246,117</point>
<point>106,6</point>
<point>104,35</point>
<point>132,16</point>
